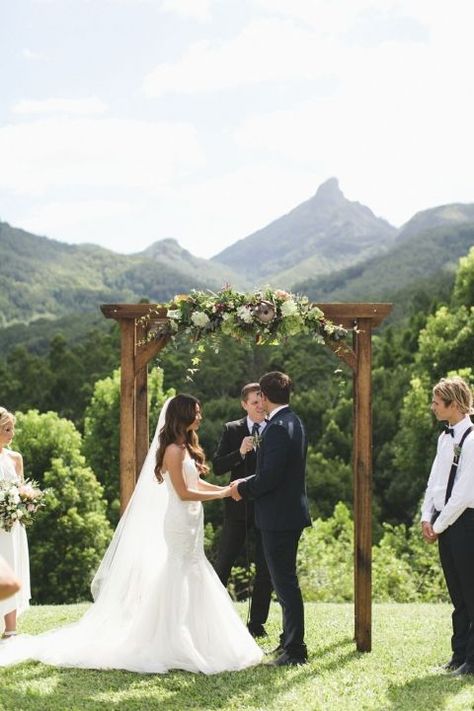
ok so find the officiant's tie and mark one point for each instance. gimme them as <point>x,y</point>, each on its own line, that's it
<point>255,429</point>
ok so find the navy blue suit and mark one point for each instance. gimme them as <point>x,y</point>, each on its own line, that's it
<point>281,513</point>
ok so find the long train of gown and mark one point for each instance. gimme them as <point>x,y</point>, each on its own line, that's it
<point>184,619</point>
<point>14,549</point>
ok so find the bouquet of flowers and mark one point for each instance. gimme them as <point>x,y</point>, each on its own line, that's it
<point>19,502</point>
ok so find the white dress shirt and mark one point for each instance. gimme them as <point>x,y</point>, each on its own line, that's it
<point>277,409</point>
<point>251,423</point>
<point>462,496</point>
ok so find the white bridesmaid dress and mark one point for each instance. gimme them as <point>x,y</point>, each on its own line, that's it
<point>14,549</point>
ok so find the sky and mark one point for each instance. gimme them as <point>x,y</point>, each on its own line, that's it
<point>124,122</point>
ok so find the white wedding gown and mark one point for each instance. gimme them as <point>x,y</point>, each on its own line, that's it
<point>14,549</point>
<point>173,613</point>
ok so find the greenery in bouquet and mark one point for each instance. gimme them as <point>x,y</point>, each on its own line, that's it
<point>263,317</point>
<point>19,502</point>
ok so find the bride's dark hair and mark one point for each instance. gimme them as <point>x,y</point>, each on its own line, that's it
<point>180,414</point>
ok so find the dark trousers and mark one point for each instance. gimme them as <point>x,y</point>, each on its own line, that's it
<point>280,549</point>
<point>456,552</point>
<point>231,545</point>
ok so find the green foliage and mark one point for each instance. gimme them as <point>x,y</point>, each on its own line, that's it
<point>405,568</point>
<point>447,341</point>
<point>61,379</point>
<point>328,481</point>
<point>413,449</point>
<point>325,558</point>
<point>463,293</point>
<point>69,536</point>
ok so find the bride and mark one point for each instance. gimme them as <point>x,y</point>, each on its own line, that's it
<point>158,604</point>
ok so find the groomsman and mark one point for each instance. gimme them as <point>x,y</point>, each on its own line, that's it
<point>448,513</point>
<point>236,453</point>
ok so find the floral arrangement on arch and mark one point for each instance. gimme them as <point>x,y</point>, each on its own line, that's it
<point>265,317</point>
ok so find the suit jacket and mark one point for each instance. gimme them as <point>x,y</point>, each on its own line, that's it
<point>279,486</point>
<point>227,458</point>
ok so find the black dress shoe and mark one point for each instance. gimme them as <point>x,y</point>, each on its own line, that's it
<point>464,669</point>
<point>257,630</point>
<point>453,664</point>
<point>285,660</point>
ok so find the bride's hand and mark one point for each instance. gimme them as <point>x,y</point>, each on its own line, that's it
<point>225,492</point>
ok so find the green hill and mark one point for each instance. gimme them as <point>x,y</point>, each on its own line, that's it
<point>44,278</point>
<point>425,261</point>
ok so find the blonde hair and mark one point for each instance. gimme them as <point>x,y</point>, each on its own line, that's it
<point>6,417</point>
<point>455,390</point>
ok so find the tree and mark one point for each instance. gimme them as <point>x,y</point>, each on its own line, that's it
<point>69,536</point>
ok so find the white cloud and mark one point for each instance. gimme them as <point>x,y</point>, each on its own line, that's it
<point>89,106</point>
<point>31,54</point>
<point>192,9</point>
<point>96,153</point>
<point>60,219</point>
<point>266,50</point>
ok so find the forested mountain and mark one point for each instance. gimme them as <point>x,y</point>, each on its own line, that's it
<point>417,261</point>
<point>41,277</point>
<point>323,234</point>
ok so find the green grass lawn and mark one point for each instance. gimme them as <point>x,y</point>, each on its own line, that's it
<point>409,643</point>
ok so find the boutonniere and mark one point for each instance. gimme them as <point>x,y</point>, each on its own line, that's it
<point>457,451</point>
<point>257,440</point>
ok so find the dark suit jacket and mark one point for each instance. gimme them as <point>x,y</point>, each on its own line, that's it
<point>227,458</point>
<point>278,486</point>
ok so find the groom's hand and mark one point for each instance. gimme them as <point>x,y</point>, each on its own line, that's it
<point>234,491</point>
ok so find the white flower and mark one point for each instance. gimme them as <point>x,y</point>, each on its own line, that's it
<point>2,496</point>
<point>245,314</point>
<point>289,308</point>
<point>200,319</point>
<point>173,313</point>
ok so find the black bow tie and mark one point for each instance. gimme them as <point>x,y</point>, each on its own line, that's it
<point>449,430</point>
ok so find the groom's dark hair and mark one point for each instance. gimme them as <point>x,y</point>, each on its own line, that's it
<point>276,386</point>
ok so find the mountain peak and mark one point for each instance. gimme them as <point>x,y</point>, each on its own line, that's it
<point>329,191</point>
<point>166,247</point>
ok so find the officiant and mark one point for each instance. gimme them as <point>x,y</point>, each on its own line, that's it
<point>236,453</point>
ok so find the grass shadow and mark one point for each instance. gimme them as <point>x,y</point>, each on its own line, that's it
<point>36,686</point>
<point>433,691</point>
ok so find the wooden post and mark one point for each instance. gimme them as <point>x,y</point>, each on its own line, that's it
<point>362,459</point>
<point>127,413</point>
<point>141,410</point>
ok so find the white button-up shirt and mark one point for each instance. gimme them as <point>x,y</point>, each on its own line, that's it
<point>251,423</point>
<point>462,496</point>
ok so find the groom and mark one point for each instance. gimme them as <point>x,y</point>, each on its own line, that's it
<point>281,507</point>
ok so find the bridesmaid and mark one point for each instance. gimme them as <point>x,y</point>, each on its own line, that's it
<point>13,543</point>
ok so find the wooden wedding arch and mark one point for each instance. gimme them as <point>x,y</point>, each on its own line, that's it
<point>136,353</point>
